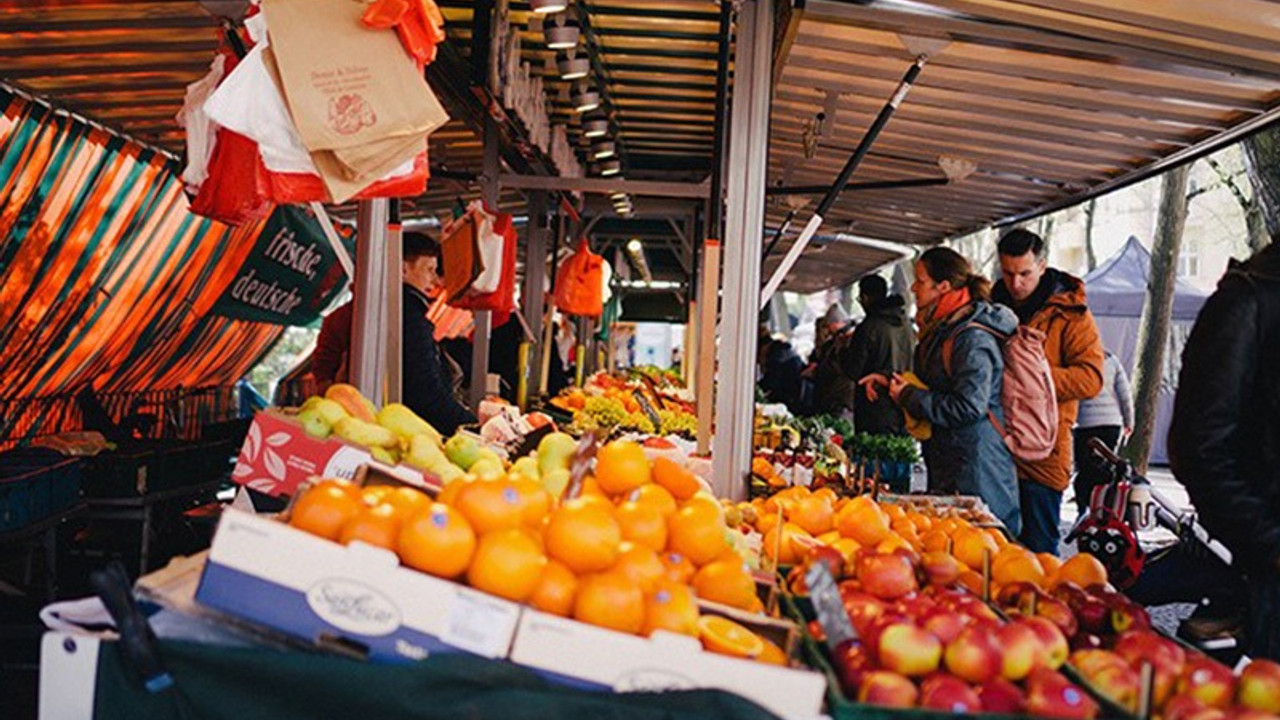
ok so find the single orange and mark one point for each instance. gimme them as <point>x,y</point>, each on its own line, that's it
<point>863,521</point>
<point>677,479</point>
<point>378,525</point>
<point>324,509</point>
<point>611,601</point>
<point>1082,569</point>
<point>641,564</point>
<point>727,582</point>
<point>437,540</point>
<point>583,535</point>
<point>935,540</point>
<point>449,493</point>
<point>374,495</point>
<point>507,563</point>
<point>678,567</point>
<point>828,493</point>
<point>780,544</point>
<point>894,511</point>
<point>772,654</point>
<point>1050,563</point>
<point>657,497</point>
<point>535,500</point>
<point>726,637</point>
<point>406,499</point>
<point>815,514</point>
<point>556,589</point>
<point>671,607</point>
<point>697,534</point>
<point>621,466</point>
<point>642,524</point>
<point>1018,565</point>
<point>491,505</point>
<point>970,546</point>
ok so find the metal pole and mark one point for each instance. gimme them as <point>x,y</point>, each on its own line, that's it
<point>535,284</point>
<point>715,204</point>
<point>852,187</point>
<point>484,318</point>
<point>369,318</point>
<point>395,311</point>
<point>748,151</point>
<point>842,179</point>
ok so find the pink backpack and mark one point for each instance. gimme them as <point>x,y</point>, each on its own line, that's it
<point>1030,404</point>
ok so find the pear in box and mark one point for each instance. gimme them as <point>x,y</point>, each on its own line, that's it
<point>554,452</point>
<point>526,467</point>
<point>462,450</point>
<point>359,432</point>
<point>404,422</point>
<point>331,411</point>
<point>356,405</point>
<point>314,424</point>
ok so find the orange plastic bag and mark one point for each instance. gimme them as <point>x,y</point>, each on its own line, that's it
<point>580,283</point>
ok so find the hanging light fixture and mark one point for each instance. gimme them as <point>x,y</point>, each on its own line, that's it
<point>616,196</point>
<point>595,126</point>
<point>604,149</point>
<point>610,168</point>
<point>572,68</point>
<point>584,98</point>
<point>544,7</point>
<point>560,32</point>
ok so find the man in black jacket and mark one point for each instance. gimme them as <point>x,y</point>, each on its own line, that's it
<point>1224,442</point>
<point>426,387</point>
<point>882,343</point>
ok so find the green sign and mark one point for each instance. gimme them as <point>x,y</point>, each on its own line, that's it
<point>291,275</point>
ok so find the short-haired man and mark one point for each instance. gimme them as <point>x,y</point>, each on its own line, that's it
<point>882,343</point>
<point>1053,302</point>
<point>425,387</point>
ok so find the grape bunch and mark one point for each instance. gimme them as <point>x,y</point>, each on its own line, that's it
<point>600,413</point>
<point>675,422</point>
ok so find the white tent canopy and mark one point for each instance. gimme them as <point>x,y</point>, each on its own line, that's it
<point>1117,293</point>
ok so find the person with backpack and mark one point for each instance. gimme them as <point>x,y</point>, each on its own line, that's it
<point>1224,441</point>
<point>1108,417</point>
<point>1052,302</point>
<point>965,452</point>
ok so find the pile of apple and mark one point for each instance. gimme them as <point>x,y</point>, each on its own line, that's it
<point>1186,684</point>
<point>1087,616</point>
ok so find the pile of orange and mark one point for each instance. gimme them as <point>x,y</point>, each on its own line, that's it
<point>796,519</point>
<point>633,552</point>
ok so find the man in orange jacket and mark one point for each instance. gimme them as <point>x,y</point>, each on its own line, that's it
<point>1053,302</point>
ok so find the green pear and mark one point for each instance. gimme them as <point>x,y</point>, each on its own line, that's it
<point>389,456</point>
<point>310,402</point>
<point>424,453</point>
<point>554,452</point>
<point>462,450</point>
<point>447,472</point>
<point>555,481</point>
<point>313,423</point>
<point>331,411</point>
<point>487,468</point>
<point>404,422</point>
<point>364,433</point>
<point>527,467</point>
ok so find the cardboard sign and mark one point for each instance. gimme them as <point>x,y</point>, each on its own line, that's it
<point>827,604</point>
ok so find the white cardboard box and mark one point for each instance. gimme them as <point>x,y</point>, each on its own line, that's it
<point>594,657</point>
<point>355,596</point>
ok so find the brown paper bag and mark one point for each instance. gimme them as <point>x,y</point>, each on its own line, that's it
<point>343,183</point>
<point>346,84</point>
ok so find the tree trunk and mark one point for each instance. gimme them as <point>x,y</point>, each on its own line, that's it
<point>1262,161</point>
<point>1153,335</point>
<point>1090,212</point>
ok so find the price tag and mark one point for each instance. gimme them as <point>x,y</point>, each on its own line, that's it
<point>480,624</point>
<point>827,604</point>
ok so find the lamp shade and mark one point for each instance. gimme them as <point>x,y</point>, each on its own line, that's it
<point>609,168</point>
<point>604,149</point>
<point>561,37</point>
<point>595,127</point>
<point>543,7</point>
<point>584,99</point>
<point>572,68</point>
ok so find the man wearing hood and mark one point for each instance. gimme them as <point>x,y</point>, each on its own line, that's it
<point>1224,441</point>
<point>882,343</point>
<point>1053,302</point>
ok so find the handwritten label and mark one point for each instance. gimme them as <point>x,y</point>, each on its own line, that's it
<point>827,604</point>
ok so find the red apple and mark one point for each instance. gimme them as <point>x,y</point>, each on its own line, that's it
<point>887,576</point>
<point>909,650</point>
<point>888,689</point>
<point>1060,614</point>
<point>973,656</point>
<point>1259,687</point>
<point>1093,615</point>
<point>861,607</point>
<point>1021,650</point>
<point>1128,616</point>
<point>948,692</point>
<point>853,663</point>
<point>915,605</point>
<point>829,556</point>
<point>1110,675</point>
<point>1051,695</point>
<point>1182,707</point>
<point>1167,660</point>
<point>1052,643</point>
<point>945,624</point>
<point>1011,595</point>
<point>1002,696</point>
<point>1086,641</point>
<point>941,569</point>
<point>1208,680</point>
<point>871,633</point>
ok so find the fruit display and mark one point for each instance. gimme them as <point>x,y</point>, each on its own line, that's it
<point>633,547</point>
<point>608,404</point>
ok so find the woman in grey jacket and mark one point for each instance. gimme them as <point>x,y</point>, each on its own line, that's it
<point>1108,417</point>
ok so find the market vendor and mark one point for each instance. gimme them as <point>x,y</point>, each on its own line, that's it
<point>425,384</point>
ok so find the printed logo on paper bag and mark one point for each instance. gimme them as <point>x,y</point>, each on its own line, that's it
<point>356,608</point>
<point>350,113</point>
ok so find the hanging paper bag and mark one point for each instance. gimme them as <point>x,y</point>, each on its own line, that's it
<point>580,283</point>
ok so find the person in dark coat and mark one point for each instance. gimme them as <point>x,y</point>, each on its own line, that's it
<point>882,344</point>
<point>329,360</point>
<point>426,388</point>
<point>781,370</point>
<point>965,452</point>
<point>832,390</point>
<point>1224,441</point>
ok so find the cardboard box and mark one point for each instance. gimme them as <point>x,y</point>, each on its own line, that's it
<point>352,598</point>
<point>278,456</point>
<point>591,657</point>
